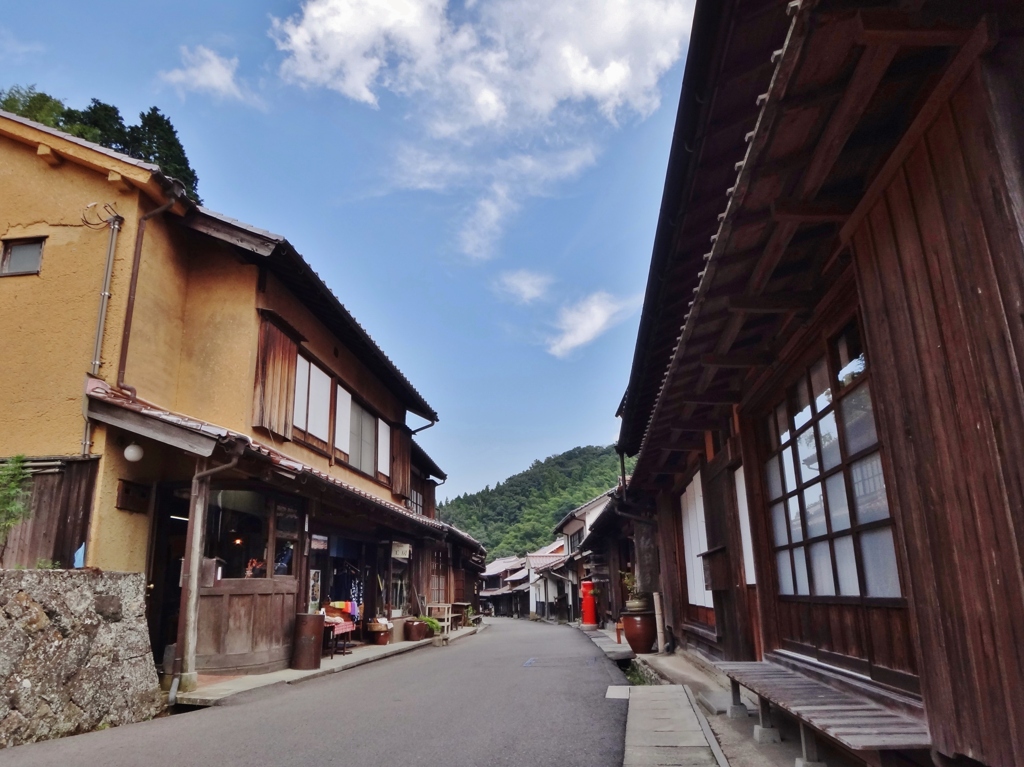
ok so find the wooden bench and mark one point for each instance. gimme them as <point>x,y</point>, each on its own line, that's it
<point>855,721</point>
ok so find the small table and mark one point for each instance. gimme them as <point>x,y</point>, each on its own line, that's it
<point>333,630</point>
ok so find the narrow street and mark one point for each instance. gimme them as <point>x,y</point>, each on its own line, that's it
<point>519,693</point>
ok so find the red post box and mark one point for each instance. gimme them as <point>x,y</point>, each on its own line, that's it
<point>589,606</point>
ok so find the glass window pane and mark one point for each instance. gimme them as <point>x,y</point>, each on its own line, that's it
<point>869,489</point>
<point>802,400</point>
<point>814,509</point>
<point>881,576</point>
<point>23,258</point>
<point>859,420</point>
<point>785,571</point>
<point>782,421</point>
<point>788,472</point>
<point>284,553</point>
<point>779,524</point>
<point>850,355</point>
<point>319,403</point>
<point>821,569</point>
<point>301,393</point>
<point>838,506</point>
<point>829,436</point>
<point>795,528</point>
<point>820,386</point>
<point>807,455</point>
<point>774,481</point>
<point>846,565</point>
<point>800,564</point>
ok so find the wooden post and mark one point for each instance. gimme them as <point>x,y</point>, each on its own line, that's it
<point>191,563</point>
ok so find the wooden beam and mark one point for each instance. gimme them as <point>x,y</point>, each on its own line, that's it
<point>777,304</point>
<point>710,398</point>
<point>698,425</point>
<point>736,360</point>
<point>47,155</point>
<point>890,27</point>
<point>119,181</point>
<point>811,212</point>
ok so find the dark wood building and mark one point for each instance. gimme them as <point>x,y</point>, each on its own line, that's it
<point>826,396</point>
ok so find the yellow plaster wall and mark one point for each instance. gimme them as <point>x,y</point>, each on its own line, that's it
<point>119,540</point>
<point>155,346</point>
<point>221,339</point>
<point>48,320</point>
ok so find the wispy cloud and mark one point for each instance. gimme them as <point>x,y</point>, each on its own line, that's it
<point>13,49</point>
<point>205,71</point>
<point>506,86</point>
<point>524,286</point>
<point>584,321</point>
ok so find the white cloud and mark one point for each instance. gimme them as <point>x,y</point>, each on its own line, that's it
<point>13,49</point>
<point>582,322</point>
<point>506,94</point>
<point>523,285</point>
<point>204,71</point>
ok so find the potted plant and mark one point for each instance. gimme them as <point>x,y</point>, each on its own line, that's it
<point>636,600</point>
<point>378,631</point>
<point>415,629</point>
<point>433,626</point>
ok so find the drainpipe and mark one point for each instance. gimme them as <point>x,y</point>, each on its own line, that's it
<point>177,192</point>
<point>190,565</point>
<point>115,228</point>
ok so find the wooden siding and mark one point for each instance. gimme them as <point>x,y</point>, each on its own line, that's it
<point>941,277</point>
<point>246,625</point>
<point>274,393</point>
<point>61,500</point>
<point>401,450</point>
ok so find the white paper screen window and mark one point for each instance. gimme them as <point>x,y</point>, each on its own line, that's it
<point>742,510</point>
<point>301,393</point>
<point>342,420</point>
<point>383,448</point>
<point>319,424</point>
<point>694,543</point>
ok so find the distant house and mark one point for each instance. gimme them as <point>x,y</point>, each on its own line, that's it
<point>497,591</point>
<point>583,563</point>
<point>826,397</point>
<point>197,405</point>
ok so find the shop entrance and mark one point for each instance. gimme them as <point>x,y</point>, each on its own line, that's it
<point>164,597</point>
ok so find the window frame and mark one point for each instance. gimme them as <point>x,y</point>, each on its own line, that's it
<point>5,255</point>
<point>302,435</point>
<point>774,448</point>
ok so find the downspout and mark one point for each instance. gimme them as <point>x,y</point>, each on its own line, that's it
<point>177,193</point>
<point>414,432</point>
<point>188,567</point>
<point>97,349</point>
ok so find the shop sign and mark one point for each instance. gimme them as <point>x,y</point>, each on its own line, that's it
<point>318,543</point>
<point>401,550</point>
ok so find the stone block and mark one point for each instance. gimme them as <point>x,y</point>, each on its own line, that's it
<point>765,735</point>
<point>737,711</point>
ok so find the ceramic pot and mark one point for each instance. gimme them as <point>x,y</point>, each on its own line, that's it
<point>639,603</point>
<point>377,635</point>
<point>415,631</point>
<point>641,631</point>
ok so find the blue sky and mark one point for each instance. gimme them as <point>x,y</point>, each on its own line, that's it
<point>477,180</point>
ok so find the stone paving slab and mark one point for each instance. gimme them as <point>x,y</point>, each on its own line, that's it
<point>662,728</point>
<point>222,689</point>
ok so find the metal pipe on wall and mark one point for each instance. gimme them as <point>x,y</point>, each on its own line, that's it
<point>115,222</point>
<point>659,621</point>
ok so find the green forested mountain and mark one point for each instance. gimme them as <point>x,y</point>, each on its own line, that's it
<point>517,515</point>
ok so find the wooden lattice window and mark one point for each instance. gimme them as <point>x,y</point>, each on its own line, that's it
<point>831,527</point>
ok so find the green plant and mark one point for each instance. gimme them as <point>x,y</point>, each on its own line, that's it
<point>629,581</point>
<point>434,624</point>
<point>47,564</point>
<point>14,506</point>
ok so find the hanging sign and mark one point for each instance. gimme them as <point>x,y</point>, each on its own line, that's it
<point>401,550</point>
<point>318,543</point>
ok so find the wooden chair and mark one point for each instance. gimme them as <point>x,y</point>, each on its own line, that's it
<point>442,612</point>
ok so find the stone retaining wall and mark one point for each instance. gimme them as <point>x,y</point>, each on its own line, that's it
<point>74,653</point>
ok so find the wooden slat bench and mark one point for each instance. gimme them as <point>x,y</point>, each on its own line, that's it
<point>854,721</point>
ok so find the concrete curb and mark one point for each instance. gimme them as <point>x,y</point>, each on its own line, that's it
<point>705,725</point>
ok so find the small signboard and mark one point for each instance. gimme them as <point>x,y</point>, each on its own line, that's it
<point>401,550</point>
<point>314,589</point>
<point>318,543</point>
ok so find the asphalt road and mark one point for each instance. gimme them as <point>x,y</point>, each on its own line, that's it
<point>519,694</point>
